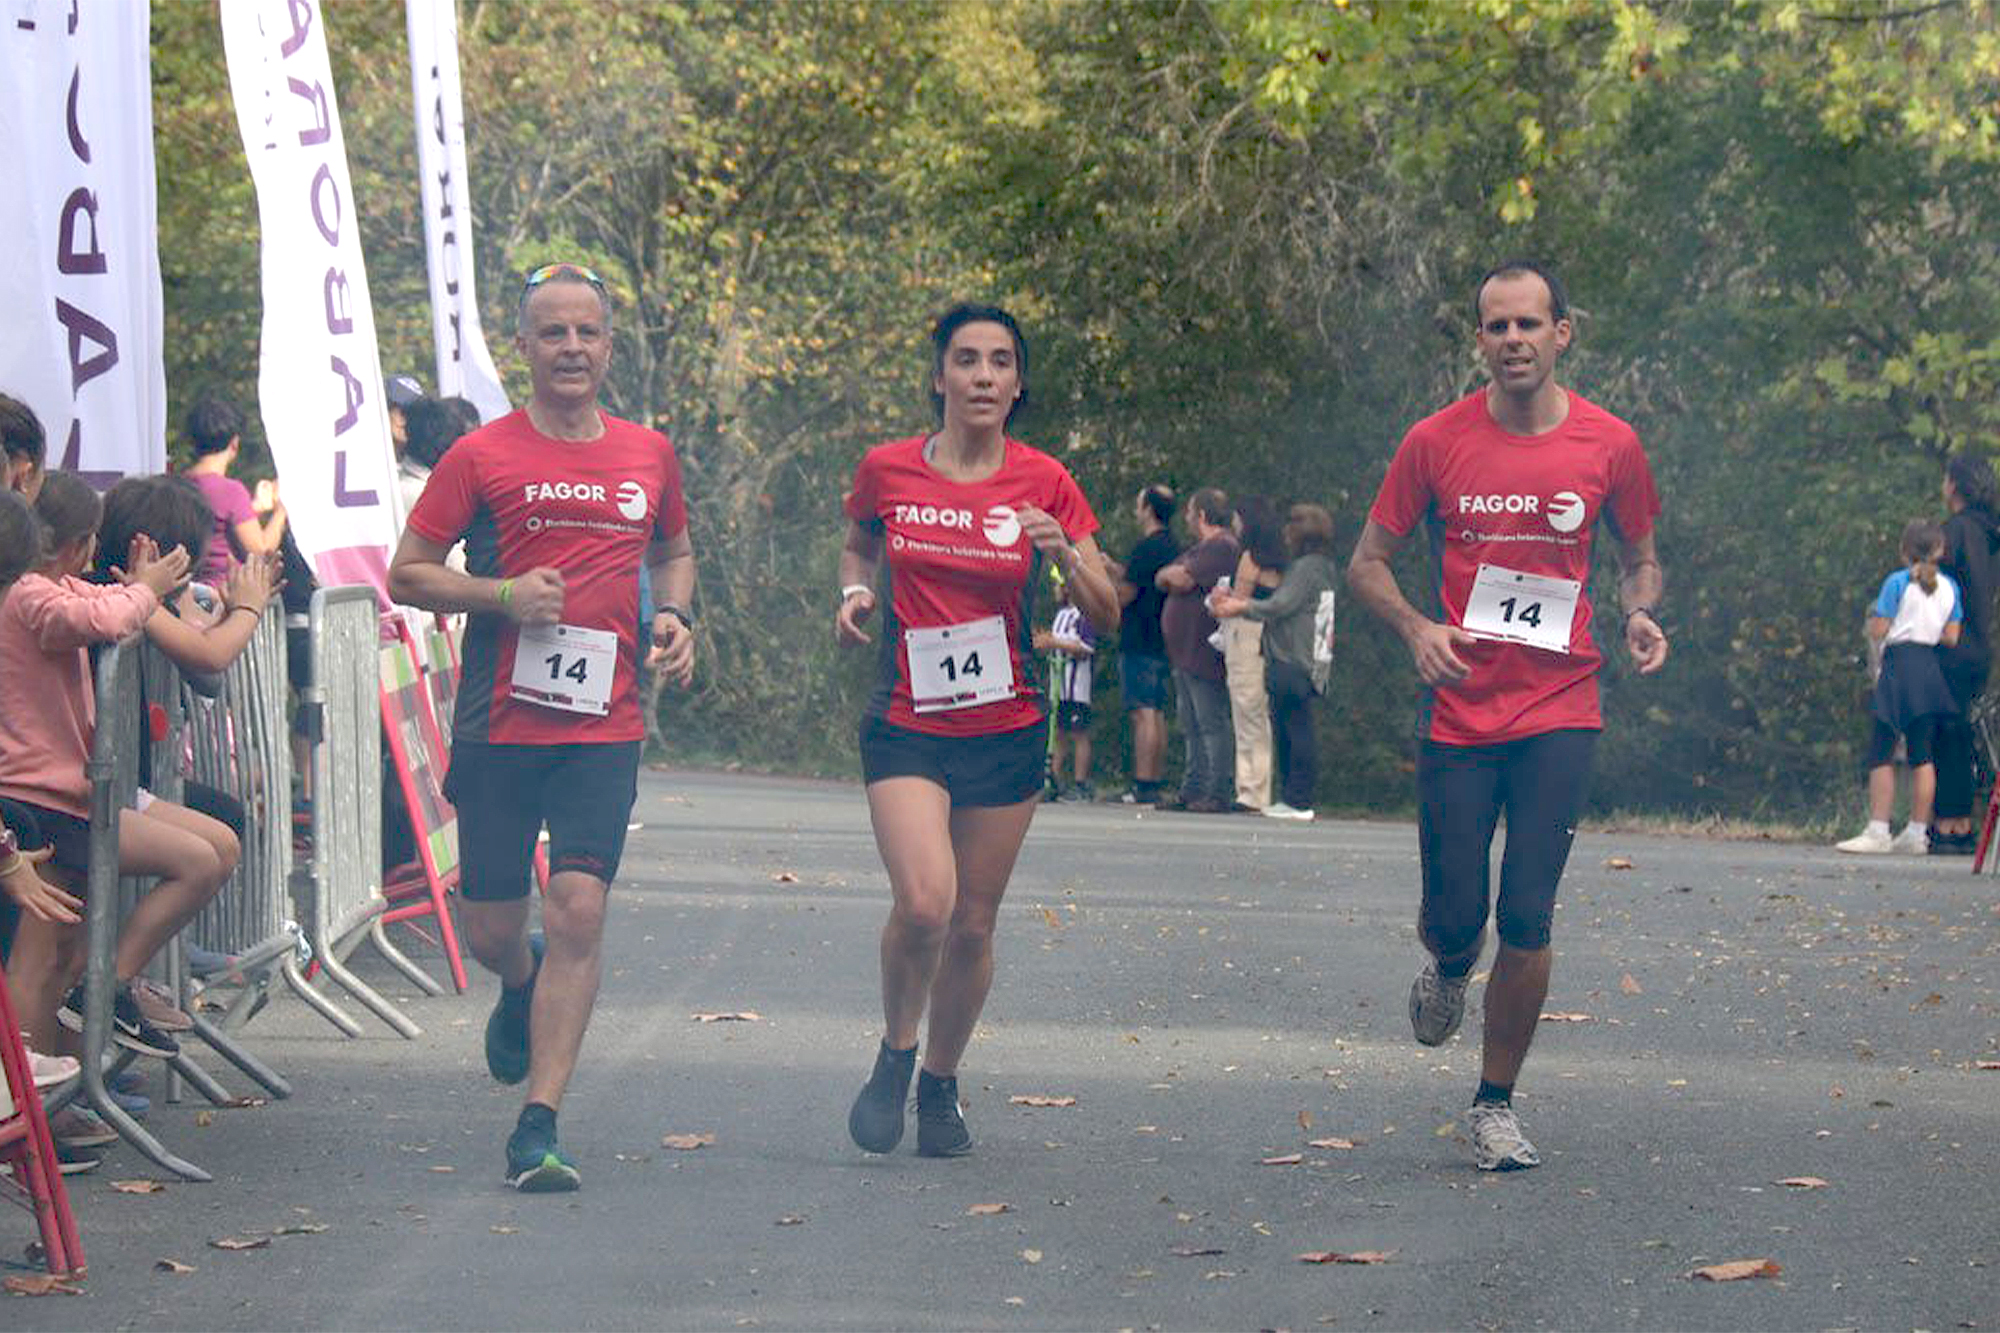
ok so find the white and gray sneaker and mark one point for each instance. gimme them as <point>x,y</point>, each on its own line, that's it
<point>1911,842</point>
<point>1868,842</point>
<point>1497,1141</point>
<point>1437,1005</point>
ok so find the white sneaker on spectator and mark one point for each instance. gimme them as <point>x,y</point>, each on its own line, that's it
<point>49,1070</point>
<point>1912,841</point>
<point>1279,810</point>
<point>1868,842</point>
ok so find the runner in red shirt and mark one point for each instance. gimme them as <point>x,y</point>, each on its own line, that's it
<point>558,504</point>
<point>1511,483</point>
<point>952,739</point>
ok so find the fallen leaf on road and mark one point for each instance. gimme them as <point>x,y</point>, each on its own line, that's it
<point>1015,1300</point>
<point>171,1266</point>
<point>443,1170</point>
<point>203,1119</point>
<point>1566,1018</point>
<point>738,1016</point>
<point>1738,1269</point>
<point>504,1230</point>
<point>1630,985</point>
<point>245,1103</point>
<point>138,1186</point>
<point>785,877</point>
<point>300,1229</point>
<point>1305,1121</point>
<point>1053,921</point>
<point>1288,1159</point>
<point>1354,1257</point>
<point>43,1284</point>
<point>989,1209</point>
<point>1618,863</point>
<point>1035,1099</point>
<point>687,1142</point>
<point>1031,1256</point>
<point>1986,1064</point>
<point>240,1243</point>
<point>1219,1275</point>
<point>1331,1143</point>
<point>1196,1251</point>
<point>1803,1182</point>
<point>789,1220</point>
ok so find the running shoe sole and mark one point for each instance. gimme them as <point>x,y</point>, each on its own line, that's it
<point>552,1175</point>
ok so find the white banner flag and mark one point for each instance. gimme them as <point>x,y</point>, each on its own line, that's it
<point>464,368</point>
<point>319,379</point>
<point>81,340</point>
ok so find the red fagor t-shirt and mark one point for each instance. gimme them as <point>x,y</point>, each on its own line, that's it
<point>956,554</point>
<point>589,508</point>
<point>1521,502</point>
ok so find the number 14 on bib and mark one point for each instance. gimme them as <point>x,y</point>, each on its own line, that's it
<point>1517,607</point>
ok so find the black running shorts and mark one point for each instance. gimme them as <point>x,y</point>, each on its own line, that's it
<point>505,793</point>
<point>1002,769</point>
<point>1461,792</point>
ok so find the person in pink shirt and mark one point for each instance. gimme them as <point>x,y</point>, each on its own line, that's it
<point>48,623</point>
<point>243,526</point>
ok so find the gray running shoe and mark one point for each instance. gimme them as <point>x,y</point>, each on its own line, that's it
<point>1497,1141</point>
<point>941,1130</point>
<point>1437,1005</point>
<point>876,1121</point>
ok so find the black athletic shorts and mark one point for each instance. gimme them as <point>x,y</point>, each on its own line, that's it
<point>63,831</point>
<point>1462,790</point>
<point>505,793</point>
<point>1002,769</point>
<point>1919,742</point>
<point>1073,716</point>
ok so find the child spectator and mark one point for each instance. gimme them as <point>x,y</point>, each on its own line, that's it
<point>1918,608</point>
<point>48,622</point>
<point>1072,644</point>
<point>242,527</point>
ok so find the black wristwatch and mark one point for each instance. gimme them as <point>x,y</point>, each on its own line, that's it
<point>679,613</point>
<point>1645,611</point>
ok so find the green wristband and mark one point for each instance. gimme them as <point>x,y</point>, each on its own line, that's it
<point>506,593</point>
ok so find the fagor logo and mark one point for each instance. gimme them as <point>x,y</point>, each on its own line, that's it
<point>632,500</point>
<point>1566,511</point>
<point>1002,527</point>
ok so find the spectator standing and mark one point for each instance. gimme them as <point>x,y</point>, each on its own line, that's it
<point>1298,651</point>
<point>1259,567</point>
<point>1144,675</point>
<point>26,447</point>
<point>1071,642</point>
<point>242,528</point>
<point>1199,678</point>
<point>1972,559</point>
<point>401,391</point>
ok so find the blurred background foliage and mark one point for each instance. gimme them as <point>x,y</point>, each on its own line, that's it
<point>1241,236</point>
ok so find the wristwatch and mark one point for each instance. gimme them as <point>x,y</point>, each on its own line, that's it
<point>677,612</point>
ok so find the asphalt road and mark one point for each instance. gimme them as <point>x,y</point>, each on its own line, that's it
<point>1212,991</point>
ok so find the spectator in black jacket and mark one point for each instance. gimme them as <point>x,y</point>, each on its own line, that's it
<point>1972,559</point>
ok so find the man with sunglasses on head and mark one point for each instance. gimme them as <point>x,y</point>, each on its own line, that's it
<point>558,504</point>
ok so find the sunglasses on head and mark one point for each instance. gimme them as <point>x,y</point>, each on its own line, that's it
<point>548,271</point>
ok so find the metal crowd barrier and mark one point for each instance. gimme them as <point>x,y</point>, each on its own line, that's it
<point>240,743</point>
<point>343,708</point>
<point>113,770</point>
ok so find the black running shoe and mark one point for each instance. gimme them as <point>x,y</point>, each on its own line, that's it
<point>507,1026</point>
<point>129,1027</point>
<point>876,1122</point>
<point>535,1164</point>
<point>941,1130</point>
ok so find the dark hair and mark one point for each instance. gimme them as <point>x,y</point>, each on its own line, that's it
<point>211,424</point>
<point>20,538</point>
<point>1213,505</point>
<point>1310,528</point>
<point>465,414</point>
<point>68,509</point>
<point>1972,477</point>
<point>168,508</point>
<point>1923,547</point>
<point>21,431</point>
<point>1159,498</point>
<point>429,427</point>
<point>1263,536</point>
<point>1558,299</point>
<point>956,318</point>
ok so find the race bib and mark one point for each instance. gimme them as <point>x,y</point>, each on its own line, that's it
<point>957,666</point>
<point>1515,607</point>
<point>563,666</point>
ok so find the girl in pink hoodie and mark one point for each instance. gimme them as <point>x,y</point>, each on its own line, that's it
<point>48,623</point>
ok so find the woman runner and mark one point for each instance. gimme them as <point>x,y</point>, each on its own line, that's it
<point>952,738</point>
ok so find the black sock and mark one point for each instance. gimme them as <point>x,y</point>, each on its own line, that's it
<point>1147,791</point>
<point>1493,1094</point>
<point>537,1116</point>
<point>903,1054</point>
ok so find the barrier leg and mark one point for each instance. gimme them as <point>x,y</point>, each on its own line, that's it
<point>256,1069</point>
<point>203,1082</point>
<point>295,977</point>
<point>401,961</point>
